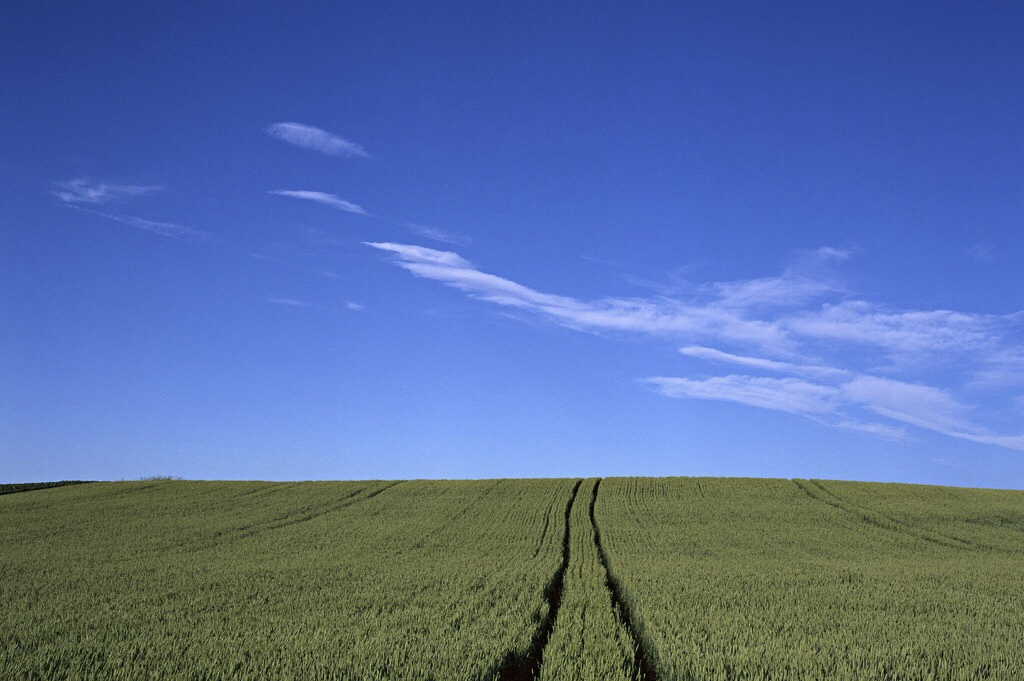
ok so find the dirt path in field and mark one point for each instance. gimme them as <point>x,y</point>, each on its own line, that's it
<point>525,667</point>
<point>643,666</point>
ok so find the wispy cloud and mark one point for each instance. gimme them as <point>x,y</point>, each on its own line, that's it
<point>288,302</point>
<point>789,395</point>
<point>298,303</point>
<point>719,317</point>
<point>903,334</point>
<point>168,229</point>
<point>811,370</point>
<point>845,363</point>
<point>784,291</point>
<point>309,137</point>
<point>838,405</point>
<point>984,251</point>
<point>89,192</point>
<point>324,198</point>
<point>435,234</point>
<point>824,404</point>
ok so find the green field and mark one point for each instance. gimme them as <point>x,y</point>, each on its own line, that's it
<point>619,578</point>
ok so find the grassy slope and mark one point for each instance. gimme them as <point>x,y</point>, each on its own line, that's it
<point>776,579</point>
<point>722,579</point>
<point>257,580</point>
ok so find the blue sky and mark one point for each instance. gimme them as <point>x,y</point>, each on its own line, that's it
<point>378,240</point>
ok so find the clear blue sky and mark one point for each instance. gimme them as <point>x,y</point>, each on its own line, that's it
<point>378,240</point>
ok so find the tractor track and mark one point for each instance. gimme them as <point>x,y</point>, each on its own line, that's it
<point>817,491</point>
<point>643,666</point>
<point>526,666</point>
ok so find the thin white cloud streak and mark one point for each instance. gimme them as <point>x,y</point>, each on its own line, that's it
<point>1001,369</point>
<point>435,234</point>
<point>831,253</point>
<point>776,319</point>
<point>310,137</point>
<point>795,287</point>
<point>298,303</point>
<point>88,192</point>
<point>323,198</point>
<point>904,334</point>
<point>785,291</point>
<point>784,319</point>
<point>925,407</point>
<point>713,355</point>
<point>789,395</point>
<point>288,302</point>
<point>916,405</point>
<point>168,229</point>
<point>919,405</point>
<point>657,317</point>
<point>822,404</point>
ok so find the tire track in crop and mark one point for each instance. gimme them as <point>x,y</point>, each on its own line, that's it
<point>294,518</point>
<point>526,666</point>
<point>547,526</point>
<point>458,516</point>
<point>817,491</point>
<point>922,532</point>
<point>344,502</point>
<point>543,533</point>
<point>643,666</point>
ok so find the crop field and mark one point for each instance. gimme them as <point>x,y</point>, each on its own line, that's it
<point>694,579</point>
<point>778,579</point>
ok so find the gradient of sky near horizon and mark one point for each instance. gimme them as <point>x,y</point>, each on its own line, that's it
<point>400,240</point>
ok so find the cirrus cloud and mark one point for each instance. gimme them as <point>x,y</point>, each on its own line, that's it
<point>322,198</point>
<point>842,362</point>
<point>310,137</point>
<point>90,192</point>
